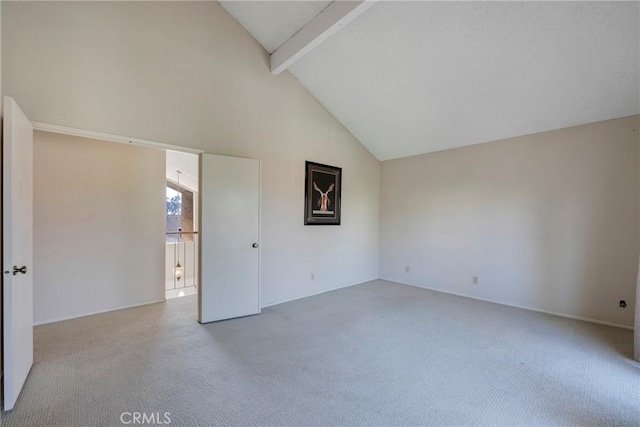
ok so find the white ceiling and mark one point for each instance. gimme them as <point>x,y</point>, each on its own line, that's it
<point>187,164</point>
<point>415,77</point>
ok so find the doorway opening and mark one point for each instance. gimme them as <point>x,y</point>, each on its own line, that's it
<point>181,235</point>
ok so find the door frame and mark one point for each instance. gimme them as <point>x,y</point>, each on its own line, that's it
<point>64,130</point>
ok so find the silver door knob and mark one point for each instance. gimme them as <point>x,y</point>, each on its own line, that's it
<point>255,245</point>
<point>17,269</point>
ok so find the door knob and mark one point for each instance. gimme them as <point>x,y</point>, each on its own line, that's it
<point>17,269</point>
<point>255,245</point>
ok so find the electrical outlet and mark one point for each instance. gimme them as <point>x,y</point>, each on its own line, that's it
<point>407,269</point>
<point>313,276</point>
<point>475,280</point>
<point>623,303</point>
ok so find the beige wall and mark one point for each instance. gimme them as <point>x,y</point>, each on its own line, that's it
<point>187,73</point>
<point>547,221</point>
<point>99,218</point>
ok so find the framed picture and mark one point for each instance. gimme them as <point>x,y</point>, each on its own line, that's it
<point>322,192</point>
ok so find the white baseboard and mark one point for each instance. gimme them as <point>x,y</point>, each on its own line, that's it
<point>553,313</point>
<point>271,304</point>
<point>538,310</point>
<point>46,322</point>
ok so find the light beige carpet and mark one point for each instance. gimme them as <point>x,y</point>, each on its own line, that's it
<point>373,354</point>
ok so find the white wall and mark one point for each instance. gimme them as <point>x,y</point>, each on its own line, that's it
<point>187,73</point>
<point>99,223</point>
<point>547,221</point>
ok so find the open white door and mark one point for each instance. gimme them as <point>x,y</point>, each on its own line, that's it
<point>17,229</point>
<point>229,237</point>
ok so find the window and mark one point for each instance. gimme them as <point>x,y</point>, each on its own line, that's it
<point>179,212</point>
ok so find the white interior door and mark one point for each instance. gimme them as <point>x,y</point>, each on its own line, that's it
<point>17,229</point>
<point>229,238</point>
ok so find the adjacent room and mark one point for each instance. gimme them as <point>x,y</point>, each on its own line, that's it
<point>288,213</point>
<point>181,248</point>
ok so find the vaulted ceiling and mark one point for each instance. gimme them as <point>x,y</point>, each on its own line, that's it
<point>414,77</point>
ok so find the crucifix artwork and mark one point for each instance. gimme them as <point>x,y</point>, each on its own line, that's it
<point>322,194</point>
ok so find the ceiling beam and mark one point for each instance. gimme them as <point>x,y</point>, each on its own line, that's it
<point>324,25</point>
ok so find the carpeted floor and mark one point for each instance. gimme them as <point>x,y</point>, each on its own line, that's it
<point>373,354</point>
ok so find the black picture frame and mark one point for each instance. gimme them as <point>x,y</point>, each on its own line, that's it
<point>322,194</point>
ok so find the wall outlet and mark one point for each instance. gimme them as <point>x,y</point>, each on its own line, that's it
<point>313,276</point>
<point>407,269</point>
<point>623,303</point>
<point>475,280</point>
